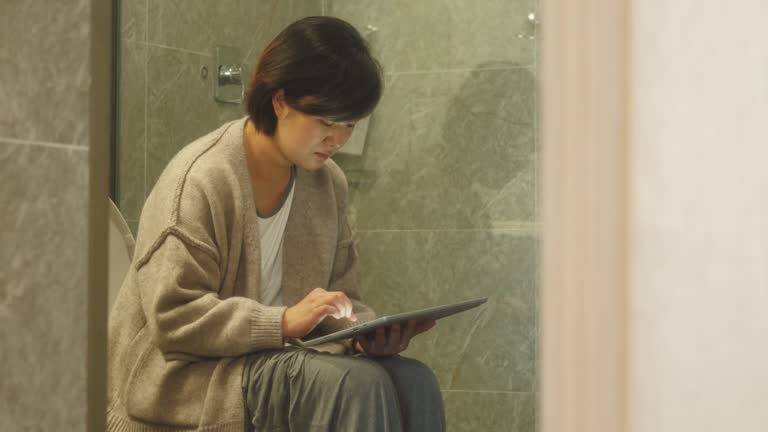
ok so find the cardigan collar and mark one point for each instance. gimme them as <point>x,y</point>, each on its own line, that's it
<point>306,232</point>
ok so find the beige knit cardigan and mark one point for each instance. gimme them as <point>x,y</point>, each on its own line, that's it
<point>187,314</point>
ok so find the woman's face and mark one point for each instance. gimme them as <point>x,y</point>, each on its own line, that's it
<point>306,140</point>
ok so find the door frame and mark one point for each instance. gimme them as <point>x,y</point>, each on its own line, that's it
<point>585,113</point>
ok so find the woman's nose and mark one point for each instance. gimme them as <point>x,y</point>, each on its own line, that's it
<point>338,135</point>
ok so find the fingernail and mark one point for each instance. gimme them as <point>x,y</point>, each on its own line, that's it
<point>353,317</point>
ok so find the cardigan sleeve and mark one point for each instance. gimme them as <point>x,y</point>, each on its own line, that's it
<point>178,285</point>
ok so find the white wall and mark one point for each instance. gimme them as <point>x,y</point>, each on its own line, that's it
<point>699,228</point>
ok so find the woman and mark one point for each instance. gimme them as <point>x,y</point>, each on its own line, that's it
<point>244,244</point>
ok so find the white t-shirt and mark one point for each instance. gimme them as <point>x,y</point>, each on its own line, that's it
<point>271,230</point>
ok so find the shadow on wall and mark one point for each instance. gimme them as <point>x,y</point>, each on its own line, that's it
<point>449,150</point>
<point>449,159</point>
<point>486,156</point>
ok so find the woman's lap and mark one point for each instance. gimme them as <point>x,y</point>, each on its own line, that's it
<point>421,403</point>
<point>296,389</point>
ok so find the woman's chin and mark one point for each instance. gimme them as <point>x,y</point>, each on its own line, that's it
<point>312,165</point>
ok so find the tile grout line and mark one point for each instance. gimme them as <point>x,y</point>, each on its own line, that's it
<point>168,47</point>
<point>183,50</point>
<point>60,146</point>
<point>458,70</point>
<point>488,392</point>
<point>533,228</point>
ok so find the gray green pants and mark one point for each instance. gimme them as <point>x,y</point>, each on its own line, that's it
<point>303,390</point>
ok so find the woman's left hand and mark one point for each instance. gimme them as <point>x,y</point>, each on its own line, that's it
<point>396,340</point>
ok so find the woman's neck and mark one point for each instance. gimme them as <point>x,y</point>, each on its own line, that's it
<point>266,162</point>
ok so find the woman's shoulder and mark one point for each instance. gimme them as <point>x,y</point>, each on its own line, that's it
<point>202,157</point>
<point>336,176</point>
<point>211,160</point>
<point>200,182</point>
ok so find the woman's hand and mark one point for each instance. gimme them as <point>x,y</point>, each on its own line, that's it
<point>379,344</point>
<point>301,318</point>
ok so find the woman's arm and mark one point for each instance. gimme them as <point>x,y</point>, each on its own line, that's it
<point>179,289</point>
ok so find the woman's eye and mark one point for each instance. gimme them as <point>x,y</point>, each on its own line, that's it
<point>329,123</point>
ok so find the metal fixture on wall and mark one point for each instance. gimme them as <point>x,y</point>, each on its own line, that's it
<point>228,85</point>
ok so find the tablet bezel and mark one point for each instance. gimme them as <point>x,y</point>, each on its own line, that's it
<point>432,313</point>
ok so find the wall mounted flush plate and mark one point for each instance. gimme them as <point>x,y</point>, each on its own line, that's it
<point>228,84</point>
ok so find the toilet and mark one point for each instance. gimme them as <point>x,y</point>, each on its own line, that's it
<point>121,244</point>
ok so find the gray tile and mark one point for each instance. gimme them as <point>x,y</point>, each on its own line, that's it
<point>131,128</point>
<point>49,68</point>
<point>180,106</point>
<point>516,200</point>
<point>200,25</point>
<point>490,348</point>
<point>442,34</point>
<point>449,150</point>
<point>490,412</point>
<point>284,13</point>
<point>44,196</point>
<point>133,20</point>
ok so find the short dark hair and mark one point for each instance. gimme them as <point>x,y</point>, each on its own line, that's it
<point>325,68</point>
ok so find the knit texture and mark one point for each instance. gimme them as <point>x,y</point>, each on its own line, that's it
<point>187,314</point>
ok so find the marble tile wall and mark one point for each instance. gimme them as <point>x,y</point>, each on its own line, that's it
<point>43,222</point>
<point>164,103</point>
<point>444,195</point>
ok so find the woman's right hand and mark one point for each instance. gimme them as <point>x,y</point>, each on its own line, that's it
<point>304,316</point>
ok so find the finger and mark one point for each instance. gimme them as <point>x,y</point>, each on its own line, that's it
<point>380,341</point>
<point>347,306</point>
<point>344,310</point>
<point>394,338</point>
<point>316,297</point>
<point>339,310</point>
<point>323,311</point>
<point>345,303</point>
<point>364,342</point>
<point>408,333</point>
<point>371,339</point>
<point>424,326</point>
<point>334,298</point>
<point>330,298</point>
<point>350,306</point>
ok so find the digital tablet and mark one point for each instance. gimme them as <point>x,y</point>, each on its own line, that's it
<point>433,313</point>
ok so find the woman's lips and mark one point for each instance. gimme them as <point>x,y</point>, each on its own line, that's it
<point>323,156</point>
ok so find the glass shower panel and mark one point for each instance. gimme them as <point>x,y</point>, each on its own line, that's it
<point>443,194</point>
<point>443,176</point>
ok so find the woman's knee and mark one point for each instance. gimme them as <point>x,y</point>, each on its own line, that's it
<point>363,377</point>
<point>411,372</point>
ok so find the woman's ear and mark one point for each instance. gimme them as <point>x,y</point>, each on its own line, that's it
<point>278,103</point>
